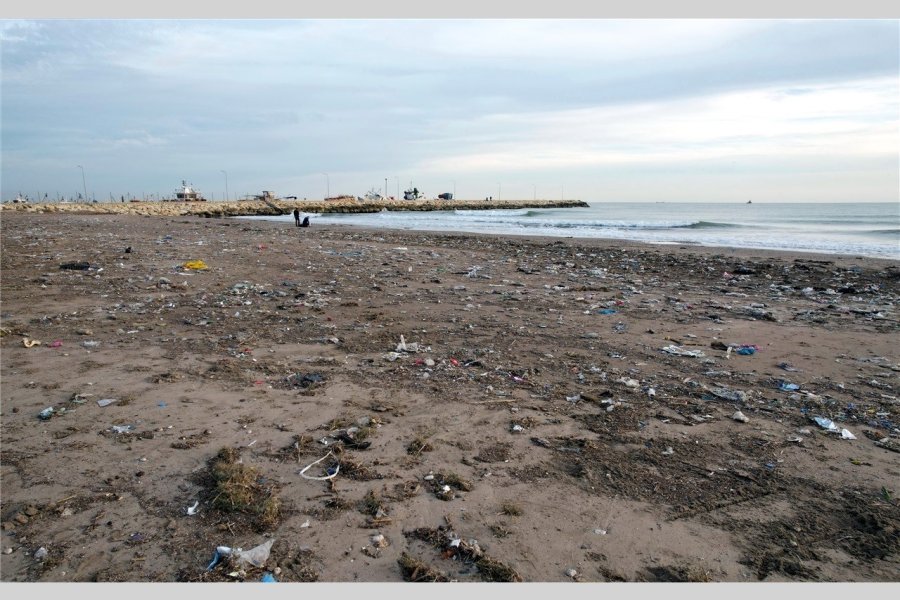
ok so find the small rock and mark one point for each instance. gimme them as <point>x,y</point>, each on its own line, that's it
<point>668,451</point>
<point>379,541</point>
<point>572,573</point>
<point>21,518</point>
<point>31,511</point>
<point>40,553</point>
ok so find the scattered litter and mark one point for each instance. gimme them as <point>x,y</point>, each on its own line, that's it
<point>75,266</point>
<point>255,556</point>
<point>404,347</point>
<point>516,428</point>
<point>29,343</point>
<point>573,399</point>
<point>668,451</point>
<point>90,344</point>
<point>46,413</point>
<point>268,578</point>
<point>195,265</point>
<point>192,510</point>
<point>739,416</point>
<point>827,424</point>
<point>846,435</point>
<point>572,573</point>
<point>679,351</point>
<point>40,553</point>
<point>784,386</point>
<point>330,475</point>
<point>632,383</point>
<point>56,344</point>
<point>728,394</point>
<point>787,367</point>
<point>305,524</point>
<point>600,531</point>
<point>607,311</point>
<point>122,428</point>
<point>106,401</point>
<point>746,349</point>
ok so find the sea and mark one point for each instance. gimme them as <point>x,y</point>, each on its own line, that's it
<point>852,228</point>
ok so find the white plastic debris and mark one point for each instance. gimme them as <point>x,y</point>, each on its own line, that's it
<point>192,510</point>
<point>826,424</point>
<point>255,556</point>
<point>668,451</point>
<point>846,435</point>
<point>106,401</point>
<point>739,416</point>
<point>517,428</point>
<point>305,524</point>
<point>679,351</point>
<point>40,553</point>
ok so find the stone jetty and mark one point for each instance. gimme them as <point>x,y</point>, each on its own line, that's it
<point>275,207</point>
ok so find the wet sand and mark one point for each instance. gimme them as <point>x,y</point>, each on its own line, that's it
<point>563,410</point>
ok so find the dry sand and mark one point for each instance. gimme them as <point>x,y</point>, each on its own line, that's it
<point>522,435</point>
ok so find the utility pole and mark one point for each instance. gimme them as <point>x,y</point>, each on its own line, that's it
<point>226,185</point>
<point>82,182</point>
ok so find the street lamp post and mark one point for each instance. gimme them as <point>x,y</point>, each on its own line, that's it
<point>327,185</point>
<point>84,185</point>
<point>226,184</point>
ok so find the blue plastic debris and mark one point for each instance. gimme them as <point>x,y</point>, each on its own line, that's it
<point>268,578</point>
<point>745,350</point>
<point>784,386</point>
<point>606,311</point>
<point>221,552</point>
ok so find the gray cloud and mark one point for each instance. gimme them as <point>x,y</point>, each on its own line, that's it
<point>147,103</point>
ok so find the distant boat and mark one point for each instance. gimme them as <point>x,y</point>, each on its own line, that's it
<point>187,194</point>
<point>749,202</point>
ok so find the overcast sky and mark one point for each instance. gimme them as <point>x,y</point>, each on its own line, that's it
<point>600,110</point>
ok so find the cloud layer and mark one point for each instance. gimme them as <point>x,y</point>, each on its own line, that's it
<point>610,109</point>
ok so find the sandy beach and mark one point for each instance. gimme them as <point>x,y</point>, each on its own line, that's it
<point>389,406</point>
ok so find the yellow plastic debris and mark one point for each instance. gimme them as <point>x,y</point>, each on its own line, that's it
<point>197,265</point>
<point>30,343</point>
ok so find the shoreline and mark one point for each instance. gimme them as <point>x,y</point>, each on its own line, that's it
<point>489,389</point>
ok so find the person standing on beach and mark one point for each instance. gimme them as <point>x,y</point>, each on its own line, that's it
<point>297,217</point>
